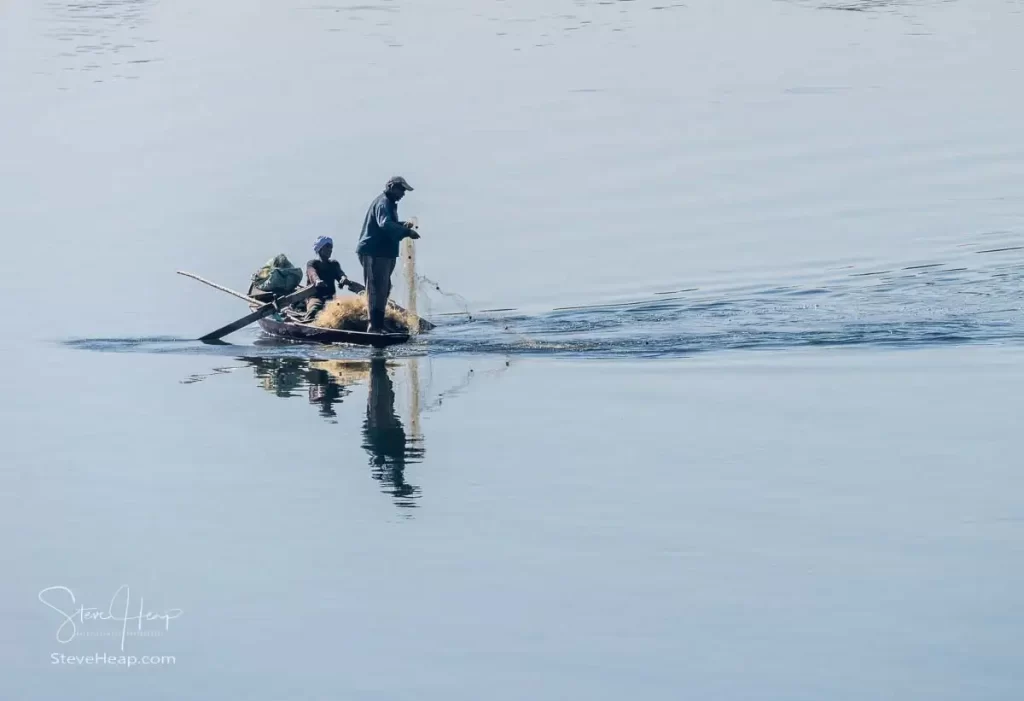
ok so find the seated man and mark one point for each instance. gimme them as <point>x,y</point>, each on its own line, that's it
<point>323,272</point>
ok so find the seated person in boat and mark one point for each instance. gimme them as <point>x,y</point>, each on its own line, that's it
<point>326,274</point>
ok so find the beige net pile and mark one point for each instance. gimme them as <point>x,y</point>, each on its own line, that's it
<point>348,313</point>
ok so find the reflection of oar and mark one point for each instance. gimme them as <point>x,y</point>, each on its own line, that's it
<point>264,309</point>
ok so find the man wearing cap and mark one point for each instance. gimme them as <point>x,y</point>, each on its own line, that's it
<point>378,248</point>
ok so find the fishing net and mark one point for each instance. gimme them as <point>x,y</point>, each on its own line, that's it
<point>409,271</point>
<point>348,313</point>
<point>418,289</point>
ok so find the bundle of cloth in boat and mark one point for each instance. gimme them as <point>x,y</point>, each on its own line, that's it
<point>278,276</point>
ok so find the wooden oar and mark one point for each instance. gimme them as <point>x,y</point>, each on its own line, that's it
<point>262,311</point>
<point>247,298</point>
<point>265,308</point>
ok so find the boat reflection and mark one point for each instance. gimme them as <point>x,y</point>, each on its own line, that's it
<point>389,446</point>
<point>390,432</point>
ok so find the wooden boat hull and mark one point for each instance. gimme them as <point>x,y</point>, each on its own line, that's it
<point>308,333</point>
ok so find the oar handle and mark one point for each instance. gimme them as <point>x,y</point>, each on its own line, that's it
<point>214,285</point>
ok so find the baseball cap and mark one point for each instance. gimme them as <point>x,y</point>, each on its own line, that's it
<point>398,181</point>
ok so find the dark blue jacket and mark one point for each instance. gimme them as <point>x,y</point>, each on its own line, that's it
<point>382,231</point>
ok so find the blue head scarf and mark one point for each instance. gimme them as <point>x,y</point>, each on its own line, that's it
<point>322,241</point>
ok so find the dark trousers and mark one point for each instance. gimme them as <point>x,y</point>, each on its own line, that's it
<point>377,278</point>
<point>314,305</point>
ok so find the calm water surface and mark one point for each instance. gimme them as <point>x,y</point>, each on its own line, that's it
<point>723,400</point>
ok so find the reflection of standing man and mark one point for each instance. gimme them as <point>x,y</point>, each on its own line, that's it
<point>383,434</point>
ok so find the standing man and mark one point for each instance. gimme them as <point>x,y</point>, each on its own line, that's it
<point>378,248</point>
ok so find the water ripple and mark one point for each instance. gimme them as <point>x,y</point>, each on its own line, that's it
<point>104,38</point>
<point>918,305</point>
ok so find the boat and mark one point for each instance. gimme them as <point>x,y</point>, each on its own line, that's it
<point>280,321</point>
<point>289,325</point>
<point>279,326</point>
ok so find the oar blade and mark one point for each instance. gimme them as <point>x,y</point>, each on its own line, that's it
<point>258,314</point>
<point>238,324</point>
